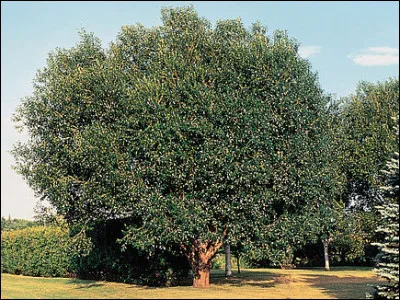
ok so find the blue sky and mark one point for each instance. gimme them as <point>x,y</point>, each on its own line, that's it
<point>345,41</point>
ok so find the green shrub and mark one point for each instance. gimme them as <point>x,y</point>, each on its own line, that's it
<point>218,261</point>
<point>57,251</point>
<point>106,261</point>
<point>36,251</point>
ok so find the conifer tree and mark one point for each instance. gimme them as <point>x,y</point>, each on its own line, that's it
<point>388,266</point>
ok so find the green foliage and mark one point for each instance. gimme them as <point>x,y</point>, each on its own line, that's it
<point>36,251</point>
<point>363,142</point>
<point>106,261</point>
<point>281,240</point>
<point>359,140</point>
<point>366,140</point>
<point>348,241</point>
<point>197,131</point>
<point>388,266</point>
<point>89,253</point>
<point>14,224</point>
<point>191,133</point>
<point>219,261</point>
<point>292,239</point>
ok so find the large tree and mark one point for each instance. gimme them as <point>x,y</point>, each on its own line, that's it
<point>203,135</point>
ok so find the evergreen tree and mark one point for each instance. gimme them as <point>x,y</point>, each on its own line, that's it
<point>388,266</point>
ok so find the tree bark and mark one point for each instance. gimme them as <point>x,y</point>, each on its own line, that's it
<point>228,264</point>
<point>326,254</point>
<point>202,279</point>
<point>200,256</point>
<point>238,263</point>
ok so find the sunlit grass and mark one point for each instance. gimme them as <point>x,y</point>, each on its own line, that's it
<point>339,283</point>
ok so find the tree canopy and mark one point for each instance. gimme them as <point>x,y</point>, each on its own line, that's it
<point>366,140</point>
<point>192,131</point>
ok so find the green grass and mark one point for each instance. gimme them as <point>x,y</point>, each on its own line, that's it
<point>316,283</point>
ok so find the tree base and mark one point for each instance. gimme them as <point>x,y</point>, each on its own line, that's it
<point>202,279</point>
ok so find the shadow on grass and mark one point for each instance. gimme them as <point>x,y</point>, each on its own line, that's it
<point>259,279</point>
<point>348,287</point>
<point>262,279</point>
<point>85,284</point>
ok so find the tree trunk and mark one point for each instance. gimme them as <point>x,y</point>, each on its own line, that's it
<point>326,255</point>
<point>202,279</point>
<point>238,263</point>
<point>200,256</point>
<point>228,264</point>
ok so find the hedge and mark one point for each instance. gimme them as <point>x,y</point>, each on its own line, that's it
<point>36,251</point>
<point>51,252</point>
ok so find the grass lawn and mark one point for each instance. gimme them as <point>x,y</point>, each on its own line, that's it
<point>315,283</point>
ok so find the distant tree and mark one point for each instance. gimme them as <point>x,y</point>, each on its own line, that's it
<point>340,233</point>
<point>366,140</point>
<point>348,239</point>
<point>292,232</point>
<point>228,262</point>
<point>14,224</point>
<point>3,222</point>
<point>199,134</point>
<point>357,131</point>
<point>388,266</point>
